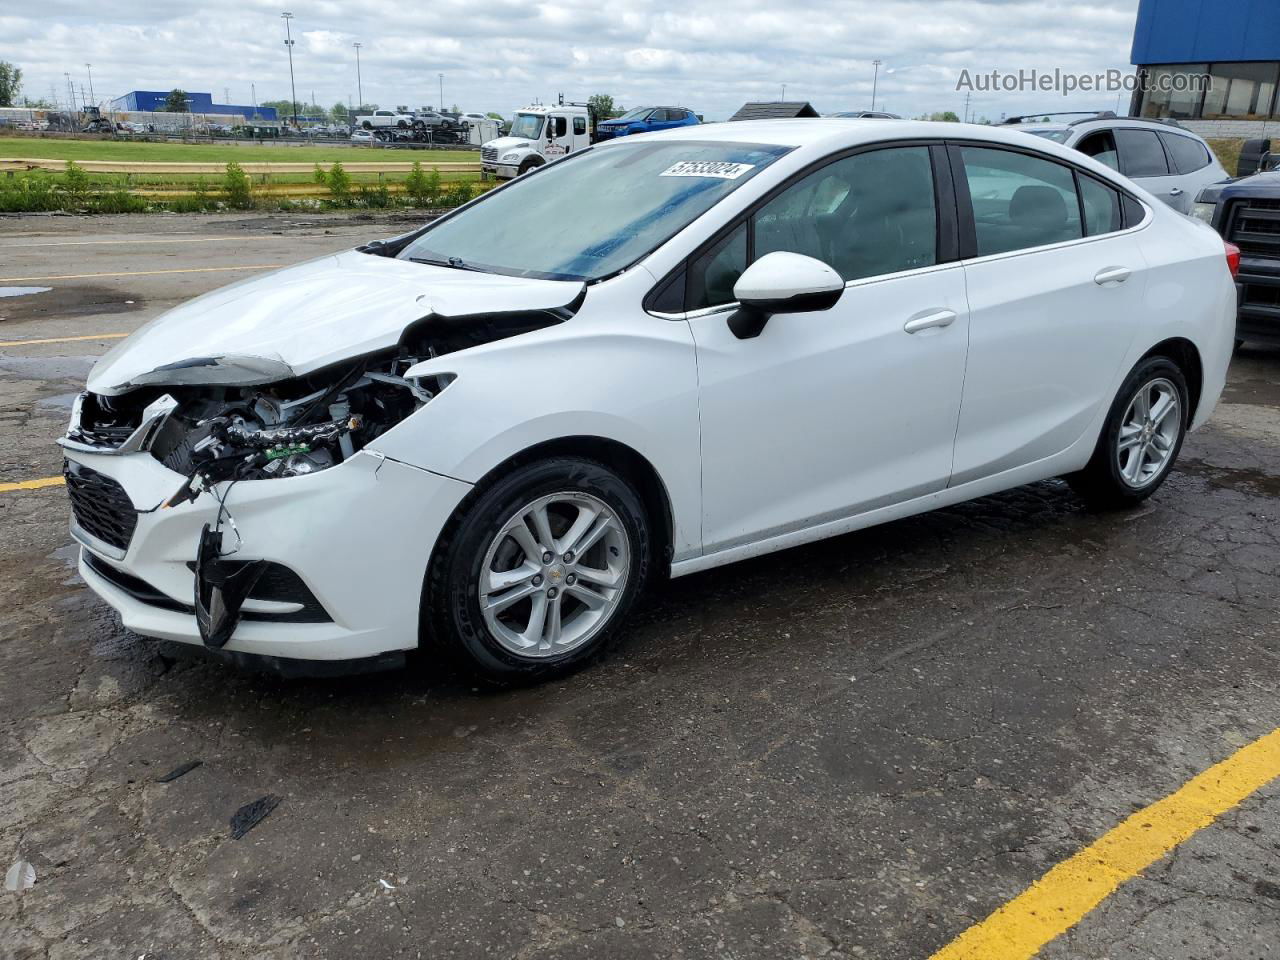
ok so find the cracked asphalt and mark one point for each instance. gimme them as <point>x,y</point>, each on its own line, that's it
<point>853,749</point>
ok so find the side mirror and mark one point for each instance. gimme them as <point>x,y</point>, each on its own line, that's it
<point>1255,155</point>
<point>782,283</point>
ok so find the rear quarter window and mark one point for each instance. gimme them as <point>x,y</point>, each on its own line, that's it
<point>1186,154</point>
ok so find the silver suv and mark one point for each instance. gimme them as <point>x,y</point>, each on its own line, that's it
<point>1164,158</point>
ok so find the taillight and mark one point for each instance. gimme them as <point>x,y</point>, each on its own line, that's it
<point>1233,258</point>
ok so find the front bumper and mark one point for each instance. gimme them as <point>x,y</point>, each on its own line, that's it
<point>358,535</point>
<point>503,171</point>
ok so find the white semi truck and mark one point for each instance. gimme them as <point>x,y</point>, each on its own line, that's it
<point>538,134</point>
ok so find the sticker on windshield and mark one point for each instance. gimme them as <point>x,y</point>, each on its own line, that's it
<point>719,169</point>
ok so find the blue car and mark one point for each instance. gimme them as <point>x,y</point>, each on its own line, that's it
<point>644,119</point>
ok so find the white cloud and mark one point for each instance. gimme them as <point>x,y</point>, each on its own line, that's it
<point>502,54</point>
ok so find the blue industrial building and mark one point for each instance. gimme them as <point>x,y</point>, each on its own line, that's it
<point>154,100</point>
<point>1208,60</point>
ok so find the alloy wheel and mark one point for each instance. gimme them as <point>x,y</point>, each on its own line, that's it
<point>554,574</point>
<point>1149,432</point>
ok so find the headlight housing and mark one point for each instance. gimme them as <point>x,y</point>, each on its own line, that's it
<point>1203,211</point>
<point>508,157</point>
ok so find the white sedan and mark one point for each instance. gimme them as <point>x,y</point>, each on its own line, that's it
<point>650,358</point>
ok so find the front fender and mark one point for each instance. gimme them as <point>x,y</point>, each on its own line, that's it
<point>635,385</point>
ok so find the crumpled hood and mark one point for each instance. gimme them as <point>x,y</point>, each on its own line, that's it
<point>300,319</point>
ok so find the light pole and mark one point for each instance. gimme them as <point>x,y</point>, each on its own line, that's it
<point>359,85</point>
<point>784,93</point>
<point>875,77</point>
<point>92,98</point>
<point>71,95</point>
<point>441,76</point>
<point>288,45</point>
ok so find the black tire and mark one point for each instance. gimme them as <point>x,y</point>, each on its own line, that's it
<point>530,163</point>
<point>452,620</point>
<point>1101,484</point>
<point>365,124</point>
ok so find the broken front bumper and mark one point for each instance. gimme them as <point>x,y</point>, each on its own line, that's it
<point>348,548</point>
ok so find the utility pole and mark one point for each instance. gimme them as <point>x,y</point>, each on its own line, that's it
<point>784,93</point>
<point>359,84</point>
<point>441,76</point>
<point>288,45</point>
<point>966,106</point>
<point>875,78</point>
<point>92,98</point>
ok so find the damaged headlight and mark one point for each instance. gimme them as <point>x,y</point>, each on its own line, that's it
<point>289,429</point>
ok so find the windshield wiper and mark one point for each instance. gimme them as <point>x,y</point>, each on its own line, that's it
<point>454,263</point>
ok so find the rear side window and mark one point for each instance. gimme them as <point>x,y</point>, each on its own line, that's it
<point>1187,155</point>
<point>1019,201</point>
<point>1141,154</point>
<point>579,125</point>
<point>1101,207</point>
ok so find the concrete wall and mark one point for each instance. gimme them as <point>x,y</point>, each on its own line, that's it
<point>1226,129</point>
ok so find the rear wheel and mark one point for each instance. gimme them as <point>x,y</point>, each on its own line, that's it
<point>533,580</point>
<point>1141,437</point>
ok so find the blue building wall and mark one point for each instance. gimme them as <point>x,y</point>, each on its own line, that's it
<point>153,100</point>
<point>1206,31</point>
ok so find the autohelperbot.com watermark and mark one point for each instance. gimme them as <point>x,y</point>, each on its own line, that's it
<point>1065,82</point>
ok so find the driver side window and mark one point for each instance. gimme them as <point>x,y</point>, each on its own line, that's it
<point>866,215</point>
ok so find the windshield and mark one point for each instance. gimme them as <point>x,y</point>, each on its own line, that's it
<point>595,213</point>
<point>527,125</point>
<point>1049,133</point>
<point>639,113</point>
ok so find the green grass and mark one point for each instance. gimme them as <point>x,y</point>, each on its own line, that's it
<point>124,150</point>
<point>1228,151</point>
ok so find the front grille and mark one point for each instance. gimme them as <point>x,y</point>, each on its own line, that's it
<point>1254,227</point>
<point>101,507</point>
<point>489,154</point>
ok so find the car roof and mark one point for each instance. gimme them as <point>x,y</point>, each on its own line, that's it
<point>838,131</point>
<point>814,137</point>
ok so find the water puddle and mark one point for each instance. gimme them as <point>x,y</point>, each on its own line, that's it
<point>22,291</point>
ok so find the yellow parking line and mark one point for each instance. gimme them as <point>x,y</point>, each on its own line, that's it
<point>142,273</point>
<point>1065,895</point>
<point>92,336</point>
<point>31,484</point>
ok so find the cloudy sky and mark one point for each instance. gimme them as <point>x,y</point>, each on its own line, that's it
<point>501,54</point>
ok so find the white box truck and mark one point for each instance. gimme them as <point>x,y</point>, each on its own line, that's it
<point>539,133</point>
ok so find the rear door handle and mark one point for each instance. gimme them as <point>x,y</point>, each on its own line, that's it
<point>1111,275</point>
<point>1175,192</point>
<point>938,318</point>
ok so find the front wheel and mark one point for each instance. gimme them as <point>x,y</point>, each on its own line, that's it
<point>1141,437</point>
<point>534,578</point>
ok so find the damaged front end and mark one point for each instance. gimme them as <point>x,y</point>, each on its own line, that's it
<point>226,420</point>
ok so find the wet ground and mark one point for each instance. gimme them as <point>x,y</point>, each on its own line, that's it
<point>854,749</point>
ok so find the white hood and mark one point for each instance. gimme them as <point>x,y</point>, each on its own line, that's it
<point>503,144</point>
<point>300,319</point>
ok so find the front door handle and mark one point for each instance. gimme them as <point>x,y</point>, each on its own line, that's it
<point>939,318</point>
<point>1111,275</point>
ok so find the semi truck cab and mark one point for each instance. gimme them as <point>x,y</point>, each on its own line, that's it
<point>538,135</point>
